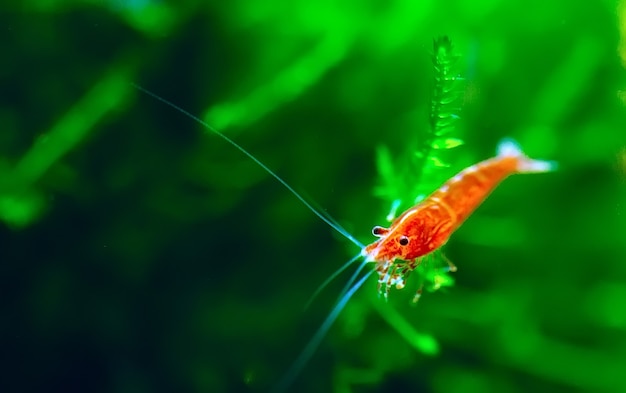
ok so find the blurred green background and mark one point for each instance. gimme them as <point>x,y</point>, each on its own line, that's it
<point>141,254</point>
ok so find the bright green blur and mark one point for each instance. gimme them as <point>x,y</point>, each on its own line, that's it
<point>144,254</point>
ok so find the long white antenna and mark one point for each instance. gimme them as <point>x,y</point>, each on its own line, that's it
<point>330,222</point>
<point>317,338</point>
<point>331,278</point>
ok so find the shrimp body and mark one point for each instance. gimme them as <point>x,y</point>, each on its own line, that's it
<point>428,225</point>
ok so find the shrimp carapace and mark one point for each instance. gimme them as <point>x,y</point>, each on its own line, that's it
<point>427,226</point>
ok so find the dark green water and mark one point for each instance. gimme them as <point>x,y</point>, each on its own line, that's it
<point>139,253</point>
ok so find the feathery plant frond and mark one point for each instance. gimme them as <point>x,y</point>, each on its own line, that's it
<point>443,116</point>
<point>403,185</point>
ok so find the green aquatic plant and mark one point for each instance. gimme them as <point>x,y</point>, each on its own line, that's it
<point>407,179</point>
<point>418,170</point>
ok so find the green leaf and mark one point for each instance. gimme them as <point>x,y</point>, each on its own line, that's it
<point>437,162</point>
<point>446,143</point>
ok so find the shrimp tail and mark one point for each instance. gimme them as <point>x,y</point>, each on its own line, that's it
<point>510,148</point>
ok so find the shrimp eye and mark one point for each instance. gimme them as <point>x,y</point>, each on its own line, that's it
<point>404,241</point>
<point>379,231</point>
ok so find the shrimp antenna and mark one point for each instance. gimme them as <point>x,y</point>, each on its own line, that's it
<point>331,278</point>
<point>317,338</point>
<point>346,288</point>
<point>332,223</point>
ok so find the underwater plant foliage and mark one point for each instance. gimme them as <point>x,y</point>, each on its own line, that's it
<point>140,253</point>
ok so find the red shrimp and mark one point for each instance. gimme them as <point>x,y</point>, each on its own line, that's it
<point>427,226</point>
<point>412,237</point>
<point>421,230</point>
